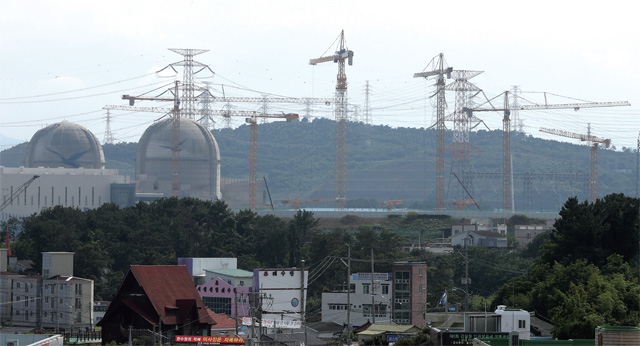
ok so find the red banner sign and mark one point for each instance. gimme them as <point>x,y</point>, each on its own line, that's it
<point>210,339</point>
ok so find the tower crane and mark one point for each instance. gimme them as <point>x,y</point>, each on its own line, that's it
<point>175,147</point>
<point>253,152</point>
<point>506,131</point>
<point>593,177</point>
<point>341,55</point>
<point>17,192</point>
<point>437,67</point>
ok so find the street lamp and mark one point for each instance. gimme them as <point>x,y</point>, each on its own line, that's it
<point>466,297</point>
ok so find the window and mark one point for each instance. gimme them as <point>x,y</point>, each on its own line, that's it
<point>522,324</point>
<point>385,289</point>
<point>241,283</point>
<point>365,289</point>
<point>78,303</point>
<point>420,271</point>
<point>218,304</point>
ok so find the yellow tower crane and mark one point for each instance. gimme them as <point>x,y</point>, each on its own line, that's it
<point>593,140</point>
<point>342,55</point>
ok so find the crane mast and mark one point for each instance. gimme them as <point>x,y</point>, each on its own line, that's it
<point>593,176</point>
<point>17,192</point>
<point>253,152</point>
<point>440,71</point>
<point>506,133</point>
<point>341,56</point>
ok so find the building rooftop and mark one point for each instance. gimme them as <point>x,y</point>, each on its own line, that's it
<point>231,272</point>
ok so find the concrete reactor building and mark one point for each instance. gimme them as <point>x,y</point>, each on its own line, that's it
<point>64,166</point>
<point>66,145</point>
<point>199,161</point>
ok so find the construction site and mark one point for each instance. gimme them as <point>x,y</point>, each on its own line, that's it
<point>178,156</point>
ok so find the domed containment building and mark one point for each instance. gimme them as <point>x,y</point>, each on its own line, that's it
<point>66,145</point>
<point>199,160</point>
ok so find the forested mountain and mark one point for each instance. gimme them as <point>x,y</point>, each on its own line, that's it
<point>387,163</point>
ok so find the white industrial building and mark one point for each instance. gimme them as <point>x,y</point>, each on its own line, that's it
<point>69,187</point>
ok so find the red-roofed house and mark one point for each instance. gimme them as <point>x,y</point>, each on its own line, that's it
<point>156,298</point>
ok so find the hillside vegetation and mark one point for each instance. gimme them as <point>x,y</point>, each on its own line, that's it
<point>387,163</point>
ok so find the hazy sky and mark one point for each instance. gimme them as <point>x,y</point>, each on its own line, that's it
<point>65,60</point>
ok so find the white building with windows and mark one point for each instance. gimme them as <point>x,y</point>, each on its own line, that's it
<point>503,320</point>
<point>81,188</point>
<point>367,305</point>
<point>55,301</point>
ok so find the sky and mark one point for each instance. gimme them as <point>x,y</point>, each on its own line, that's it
<point>65,60</point>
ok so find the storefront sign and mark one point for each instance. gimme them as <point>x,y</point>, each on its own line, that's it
<point>210,339</point>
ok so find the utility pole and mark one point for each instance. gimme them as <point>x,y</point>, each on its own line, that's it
<point>373,303</point>
<point>466,275</point>
<point>349,292</point>
<point>302,302</point>
<point>235,298</point>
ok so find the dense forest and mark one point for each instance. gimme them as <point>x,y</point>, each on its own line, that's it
<point>387,163</point>
<point>582,274</point>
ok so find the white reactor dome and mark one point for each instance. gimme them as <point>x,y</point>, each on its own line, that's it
<point>199,173</point>
<point>66,145</point>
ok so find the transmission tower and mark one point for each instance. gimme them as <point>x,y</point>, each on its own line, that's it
<point>188,87</point>
<point>341,55</point>
<point>206,98</point>
<point>461,146</point>
<point>367,105</point>
<point>355,113</point>
<point>518,124</point>
<point>437,67</point>
<point>108,135</point>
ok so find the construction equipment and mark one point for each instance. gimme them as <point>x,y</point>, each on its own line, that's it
<point>297,202</point>
<point>468,193</point>
<point>253,151</point>
<point>250,118</point>
<point>438,69</point>
<point>17,192</point>
<point>390,204</point>
<point>593,141</point>
<point>175,147</point>
<point>506,131</point>
<point>462,203</point>
<point>341,55</point>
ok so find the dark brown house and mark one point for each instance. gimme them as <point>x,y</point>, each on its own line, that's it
<point>156,298</point>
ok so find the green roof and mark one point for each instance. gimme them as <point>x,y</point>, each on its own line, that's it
<point>392,328</point>
<point>231,272</point>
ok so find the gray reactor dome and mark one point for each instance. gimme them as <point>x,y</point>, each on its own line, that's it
<point>199,173</point>
<point>65,145</point>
